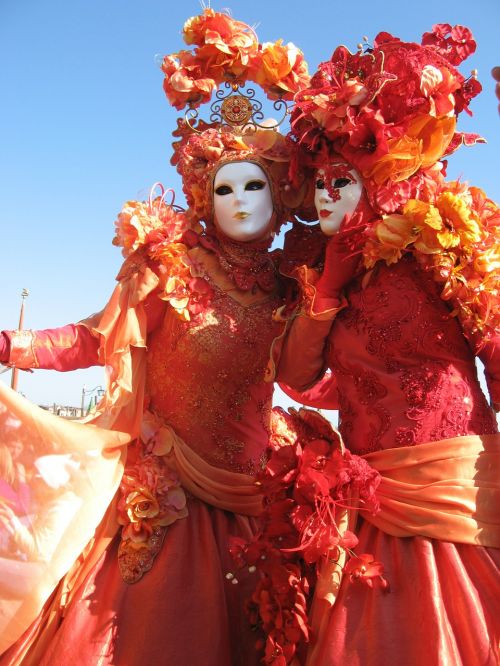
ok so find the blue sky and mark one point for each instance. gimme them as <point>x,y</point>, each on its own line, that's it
<point>84,126</point>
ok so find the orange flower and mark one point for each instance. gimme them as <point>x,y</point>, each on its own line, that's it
<point>175,276</point>
<point>186,82</point>
<point>374,251</point>
<point>151,496</point>
<point>395,231</point>
<point>460,226</point>
<point>133,225</point>
<point>393,234</point>
<point>221,30</point>
<point>427,223</point>
<point>224,45</point>
<point>435,135</point>
<point>488,261</point>
<point>423,144</point>
<point>141,504</point>
<point>401,161</point>
<point>280,69</point>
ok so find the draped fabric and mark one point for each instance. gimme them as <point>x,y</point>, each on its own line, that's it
<point>93,616</point>
<point>442,607</point>
<point>449,491</point>
<point>74,471</point>
<point>74,467</point>
<point>410,403</point>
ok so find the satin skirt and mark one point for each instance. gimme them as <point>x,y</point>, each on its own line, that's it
<point>183,612</point>
<point>443,607</point>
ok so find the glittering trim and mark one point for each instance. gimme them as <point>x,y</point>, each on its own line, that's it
<point>22,351</point>
<point>134,561</point>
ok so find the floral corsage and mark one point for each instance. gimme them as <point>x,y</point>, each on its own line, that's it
<point>151,499</point>
<point>310,483</point>
<point>163,233</point>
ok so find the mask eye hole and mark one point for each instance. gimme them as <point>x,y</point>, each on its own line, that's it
<point>320,184</point>
<point>341,182</point>
<point>255,185</point>
<point>222,190</point>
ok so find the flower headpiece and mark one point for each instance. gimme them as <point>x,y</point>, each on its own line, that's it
<point>228,52</point>
<point>198,156</point>
<point>390,110</point>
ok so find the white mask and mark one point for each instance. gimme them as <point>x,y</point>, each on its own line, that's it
<point>243,204</point>
<point>348,187</point>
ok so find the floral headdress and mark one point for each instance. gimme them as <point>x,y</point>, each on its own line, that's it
<point>228,52</point>
<point>390,111</point>
<point>198,157</point>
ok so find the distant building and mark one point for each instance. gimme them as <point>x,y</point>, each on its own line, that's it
<point>66,411</point>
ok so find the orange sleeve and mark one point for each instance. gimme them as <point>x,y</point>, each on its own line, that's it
<point>69,347</point>
<point>302,353</point>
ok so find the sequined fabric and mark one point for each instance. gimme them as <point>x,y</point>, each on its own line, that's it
<point>405,372</point>
<point>205,377</point>
<point>405,376</point>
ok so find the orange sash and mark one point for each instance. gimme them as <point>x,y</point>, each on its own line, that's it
<point>447,490</point>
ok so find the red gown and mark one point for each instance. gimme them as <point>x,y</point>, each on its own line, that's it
<point>204,378</point>
<point>405,375</point>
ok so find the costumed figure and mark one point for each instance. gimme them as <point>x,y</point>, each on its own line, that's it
<point>407,298</point>
<point>125,561</point>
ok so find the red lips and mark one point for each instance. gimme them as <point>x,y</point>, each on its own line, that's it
<point>325,213</point>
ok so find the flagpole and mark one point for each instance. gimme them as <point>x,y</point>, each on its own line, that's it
<point>15,371</point>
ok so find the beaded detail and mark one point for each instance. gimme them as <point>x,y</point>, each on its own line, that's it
<point>205,378</point>
<point>405,372</point>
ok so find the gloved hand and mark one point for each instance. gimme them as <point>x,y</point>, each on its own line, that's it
<point>342,262</point>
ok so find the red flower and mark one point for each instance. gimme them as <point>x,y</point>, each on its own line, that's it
<point>388,198</point>
<point>364,569</point>
<point>463,43</point>
<point>455,44</point>
<point>281,467</point>
<point>366,139</point>
<point>278,520</point>
<point>463,96</point>
<point>201,294</point>
<point>308,483</point>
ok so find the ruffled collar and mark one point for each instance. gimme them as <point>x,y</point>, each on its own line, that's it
<point>249,265</point>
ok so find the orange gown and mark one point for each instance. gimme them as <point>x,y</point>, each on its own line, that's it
<point>204,380</point>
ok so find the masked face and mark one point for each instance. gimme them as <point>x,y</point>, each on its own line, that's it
<point>243,205</point>
<point>337,194</point>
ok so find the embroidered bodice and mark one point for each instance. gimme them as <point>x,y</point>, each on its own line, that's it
<point>404,370</point>
<point>205,376</point>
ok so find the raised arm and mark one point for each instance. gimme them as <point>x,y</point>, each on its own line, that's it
<point>65,348</point>
<point>70,347</point>
<point>302,357</point>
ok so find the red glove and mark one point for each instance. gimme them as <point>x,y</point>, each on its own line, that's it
<point>342,263</point>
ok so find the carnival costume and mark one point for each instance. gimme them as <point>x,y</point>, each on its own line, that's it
<point>139,577</point>
<point>236,524</point>
<point>408,296</point>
